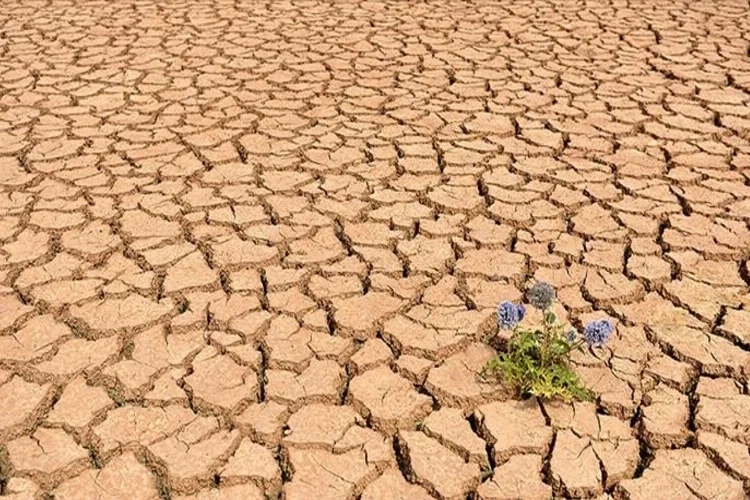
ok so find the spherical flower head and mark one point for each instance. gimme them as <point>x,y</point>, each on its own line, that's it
<point>597,332</point>
<point>541,295</point>
<point>571,336</point>
<point>510,314</point>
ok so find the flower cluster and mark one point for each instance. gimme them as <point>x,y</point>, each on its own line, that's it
<point>541,295</point>
<point>510,314</point>
<point>538,359</point>
<point>597,332</point>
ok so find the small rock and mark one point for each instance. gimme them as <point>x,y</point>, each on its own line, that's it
<point>359,316</point>
<point>725,413</point>
<point>47,451</point>
<point>193,463</point>
<point>375,352</point>
<point>123,478</point>
<point>220,382</point>
<point>670,371</point>
<point>318,425</point>
<point>456,382</point>
<point>115,314</point>
<point>733,456</point>
<point>513,428</point>
<point>79,403</point>
<point>255,462</point>
<point>389,400</point>
<point>322,474</point>
<point>450,427</point>
<point>22,403</point>
<point>685,473</point>
<point>665,418</point>
<point>436,467</point>
<point>263,421</point>
<point>377,448</point>
<point>132,424</point>
<point>413,368</point>
<point>575,466</point>
<point>520,478</point>
<point>391,485</point>
<point>321,382</point>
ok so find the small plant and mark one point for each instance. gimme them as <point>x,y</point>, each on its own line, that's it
<point>537,361</point>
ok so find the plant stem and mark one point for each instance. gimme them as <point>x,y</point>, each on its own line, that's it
<point>545,340</point>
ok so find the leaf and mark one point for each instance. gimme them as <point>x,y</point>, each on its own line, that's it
<point>521,367</point>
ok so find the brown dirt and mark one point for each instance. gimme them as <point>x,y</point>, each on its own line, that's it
<point>253,249</point>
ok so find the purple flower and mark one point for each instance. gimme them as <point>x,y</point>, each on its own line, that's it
<point>571,336</point>
<point>541,295</point>
<point>597,332</point>
<point>510,314</point>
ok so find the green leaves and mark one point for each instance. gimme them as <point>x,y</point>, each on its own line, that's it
<point>537,363</point>
<point>549,317</point>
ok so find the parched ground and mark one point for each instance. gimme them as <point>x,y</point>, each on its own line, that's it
<point>254,249</point>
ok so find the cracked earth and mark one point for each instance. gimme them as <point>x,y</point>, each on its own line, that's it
<point>252,250</point>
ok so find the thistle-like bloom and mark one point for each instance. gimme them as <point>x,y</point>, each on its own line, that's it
<point>510,314</point>
<point>597,332</point>
<point>541,295</point>
<point>571,336</point>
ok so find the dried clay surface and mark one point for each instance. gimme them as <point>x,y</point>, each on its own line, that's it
<point>253,249</point>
